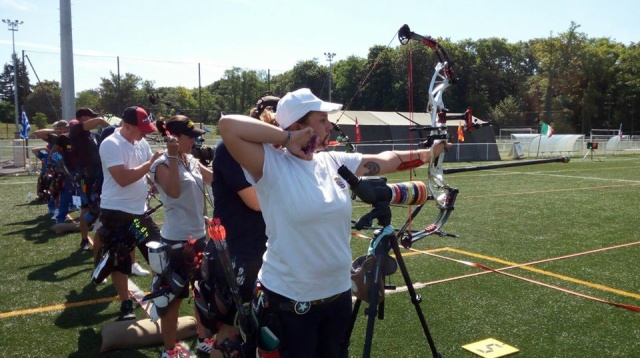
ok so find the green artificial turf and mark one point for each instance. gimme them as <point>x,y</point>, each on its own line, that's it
<point>503,217</point>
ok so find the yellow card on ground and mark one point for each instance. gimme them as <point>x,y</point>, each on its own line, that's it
<point>490,348</point>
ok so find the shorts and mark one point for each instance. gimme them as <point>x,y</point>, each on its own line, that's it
<point>178,264</point>
<point>122,231</point>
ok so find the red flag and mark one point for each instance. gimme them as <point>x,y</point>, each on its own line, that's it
<point>357,131</point>
<point>460,132</point>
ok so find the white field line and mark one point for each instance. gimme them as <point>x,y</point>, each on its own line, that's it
<point>581,177</point>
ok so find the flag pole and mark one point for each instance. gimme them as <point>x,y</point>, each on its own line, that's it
<point>539,140</point>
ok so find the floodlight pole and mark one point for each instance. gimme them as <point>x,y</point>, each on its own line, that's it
<point>330,56</point>
<point>13,27</point>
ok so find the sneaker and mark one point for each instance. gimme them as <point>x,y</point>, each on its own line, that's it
<point>137,270</point>
<point>205,345</point>
<point>55,215</point>
<point>126,311</point>
<point>171,353</point>
<point>85,245</point>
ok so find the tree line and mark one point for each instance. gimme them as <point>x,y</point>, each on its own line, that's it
<point>569,80</point>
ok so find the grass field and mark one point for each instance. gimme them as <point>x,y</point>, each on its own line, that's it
<point>581,219</point>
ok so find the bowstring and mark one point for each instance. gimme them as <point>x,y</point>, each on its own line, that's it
<point>411,121</point>
<point>366,77</point>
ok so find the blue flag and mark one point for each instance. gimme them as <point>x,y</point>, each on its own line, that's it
<point>24,133</point>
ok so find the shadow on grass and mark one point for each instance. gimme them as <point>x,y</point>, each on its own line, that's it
<point>37,229</point>
<point>50,272</point>
<point>91,313</point>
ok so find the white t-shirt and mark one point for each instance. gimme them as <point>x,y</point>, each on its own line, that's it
<point>306,206</point>
<point>184,215</point>
<point>117,150</point>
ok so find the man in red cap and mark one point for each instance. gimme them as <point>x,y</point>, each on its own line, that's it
<point>126,159</point>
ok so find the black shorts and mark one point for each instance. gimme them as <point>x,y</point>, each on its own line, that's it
<point>125,231</point>
<point>177,262</point>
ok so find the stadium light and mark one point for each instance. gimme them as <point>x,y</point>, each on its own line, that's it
<point>13,27</point>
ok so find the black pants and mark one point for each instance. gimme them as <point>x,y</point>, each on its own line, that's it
<point>319,333</point>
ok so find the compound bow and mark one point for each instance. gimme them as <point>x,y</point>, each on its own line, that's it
<point>444,194</point>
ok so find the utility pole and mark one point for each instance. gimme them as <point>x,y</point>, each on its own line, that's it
<point>13,27</point>
<point>330,56</point>
<point>633,109</point>
<point>608,107</point>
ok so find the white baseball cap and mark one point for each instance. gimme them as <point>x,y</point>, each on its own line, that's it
<point>294,105</point>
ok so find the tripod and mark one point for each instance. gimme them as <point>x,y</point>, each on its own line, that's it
<point>592,146</point>
<point>383,241</point>
<point>591,152</point>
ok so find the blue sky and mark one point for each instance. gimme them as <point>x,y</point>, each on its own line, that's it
<point>163,40</point>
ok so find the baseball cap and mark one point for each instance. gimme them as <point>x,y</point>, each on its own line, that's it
<point>86,112</point>
<point>294,105</point>
<point>266,101</point>
<point>137,116</point>
<point>184,127</point>
<point>60,124</point>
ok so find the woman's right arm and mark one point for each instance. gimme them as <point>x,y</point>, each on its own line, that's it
<point>244,137</point>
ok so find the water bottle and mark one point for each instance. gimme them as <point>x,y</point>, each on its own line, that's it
<point>28,197</point>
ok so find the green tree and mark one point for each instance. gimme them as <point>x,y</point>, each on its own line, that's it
<point>309,74</point>
<point>507,113</point>
<point>89,98</point>
<point>45,99</point>
<point>6,112</point>
<point>7,83</point>
<point>378,90</point>
<point>347,75</point>
<point>116,94</point>
<point>39,120</point>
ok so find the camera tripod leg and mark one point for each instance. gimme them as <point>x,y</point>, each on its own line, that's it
<point>374,294</point>
<point>415,298</point>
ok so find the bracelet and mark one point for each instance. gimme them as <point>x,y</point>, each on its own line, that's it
<point>173,157</point>
<point>286,141</point>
